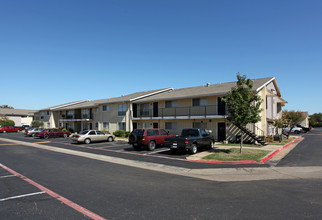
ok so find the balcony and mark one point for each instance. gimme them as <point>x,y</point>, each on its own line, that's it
<point>198,112</point>
<point>76,117</point>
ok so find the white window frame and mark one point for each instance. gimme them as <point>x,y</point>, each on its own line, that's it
<point>104,125</point>
<point>121,110</point>
<point>107,108</point>
<point>121,125</point>
<point>171,125</point>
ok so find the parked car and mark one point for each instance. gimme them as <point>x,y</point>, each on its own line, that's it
<point>149,138</point>
<point>295,130</point>
<point>31,132</point>
<point>6,129</point>
<point>305,129</point>
<point>190,140</point>
<point>89,136</point>
<point>47,133</point>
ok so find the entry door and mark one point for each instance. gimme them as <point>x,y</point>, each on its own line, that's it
<point>221,107</point>
<point>221,131</point>
<point>155,109</point>
<point>155,125</point>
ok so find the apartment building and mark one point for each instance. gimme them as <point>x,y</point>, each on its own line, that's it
<point>171,109</point>
<point>202,107</point>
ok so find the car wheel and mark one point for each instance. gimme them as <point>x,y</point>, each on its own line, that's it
<point>110,139</point>
<point>65,135</point>
<point>151,145</point>
<point>193,149</point>
<point>4,131</point>
<point>174,151</point>
<point>87,141</point>
<point>212,145</point>
<point>33,135</point>
<point>133,138</point>
<point>18,131</point>
<point>46,136</point>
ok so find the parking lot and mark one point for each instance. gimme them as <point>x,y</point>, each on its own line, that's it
<point>118,146</point>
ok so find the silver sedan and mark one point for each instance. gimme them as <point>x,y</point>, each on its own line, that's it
<point>89,136</point>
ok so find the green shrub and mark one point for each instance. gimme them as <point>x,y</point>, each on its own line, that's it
<point>64,129</point>
<point>119,133</point>
<point>37,124</point>
<point>127,133</point>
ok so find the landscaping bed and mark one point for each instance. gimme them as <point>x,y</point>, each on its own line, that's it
<point>233,154</point>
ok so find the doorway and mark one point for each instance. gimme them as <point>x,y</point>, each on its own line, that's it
<point>221,131</point>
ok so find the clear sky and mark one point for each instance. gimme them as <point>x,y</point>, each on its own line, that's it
<point>54,52</point>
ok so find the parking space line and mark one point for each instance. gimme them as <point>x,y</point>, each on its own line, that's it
<point>64,200</point>
<point>7,144</point>
<point>21,196</point>
<point>2,177</point>
<point>155,152</point>
<point>42,142</point>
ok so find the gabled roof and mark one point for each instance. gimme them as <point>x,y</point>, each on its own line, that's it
<point>133,96</point>
<point>56,107</point>
<point>88,103</point>
<point>203,91</point>
<point>16,112</point>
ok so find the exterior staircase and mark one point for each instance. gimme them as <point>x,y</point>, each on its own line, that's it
<point>252,135</point>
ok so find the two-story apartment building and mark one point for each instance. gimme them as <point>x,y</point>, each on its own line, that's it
<point>110,114</point>
<point>202,107</point>
<point>171,109</point>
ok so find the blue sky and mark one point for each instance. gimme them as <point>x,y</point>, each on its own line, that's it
<point>53,52</point>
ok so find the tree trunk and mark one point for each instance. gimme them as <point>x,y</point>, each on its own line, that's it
<point>241,142</point>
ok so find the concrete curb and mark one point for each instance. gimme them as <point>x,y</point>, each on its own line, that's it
<point>263,160</point>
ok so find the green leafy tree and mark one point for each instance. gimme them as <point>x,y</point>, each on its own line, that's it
<point>4,121</point>
<point>243,104</point>
<point>281,124</point>
<point>37,124</point>
<point>316,120</point>
<point>291,118</point>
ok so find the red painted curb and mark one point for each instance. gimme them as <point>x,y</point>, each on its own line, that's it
<point>225,162</point>
<point>55,195</point>
<point>265,159</point>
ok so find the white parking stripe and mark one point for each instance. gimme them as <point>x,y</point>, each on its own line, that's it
<point>155,152</point>
<point>21,196</point>
<point>6,176</point>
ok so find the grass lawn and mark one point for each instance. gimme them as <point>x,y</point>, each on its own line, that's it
<point>238,144</point>
<point>233,154</point>
<point>285,141</point>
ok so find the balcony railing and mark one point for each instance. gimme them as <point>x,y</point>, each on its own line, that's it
<point>76,117</point>
<point>181,112</point>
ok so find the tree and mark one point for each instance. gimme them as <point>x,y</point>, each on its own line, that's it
<point>6,106</point>
<point>291,118</point>
<point>4,121</point>
<point>316,120</point>
<point>243,104</point>
<point>37,124</point>
<point>281,124</point>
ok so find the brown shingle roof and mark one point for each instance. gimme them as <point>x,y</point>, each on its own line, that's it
<point>202,91</point>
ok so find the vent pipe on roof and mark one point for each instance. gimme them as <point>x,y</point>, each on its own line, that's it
<point>208,84</point>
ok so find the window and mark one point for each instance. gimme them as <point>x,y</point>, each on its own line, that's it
<point>48,112</point>
<point>96,125</point>
<point>106,108</point>
<point>171,125</point>
<point>48,124</point>
<point>92,133</point>
<point>201,125</point>
<point>85,126</point>
<point>163,132</point>
<point>199,102</point>
<point>122,109</point>
<point>106,125</point>
<point>99,133</point>
<point>171,104</point>
<point>149,133</point>
<point>145,125</point>
<point>144,109</point>
<point>121,126</point>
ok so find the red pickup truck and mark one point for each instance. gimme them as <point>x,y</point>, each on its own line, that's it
<point>148,137</point>
<point>9,129</point>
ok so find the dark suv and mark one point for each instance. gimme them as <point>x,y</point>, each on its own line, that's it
<point>149,138</point>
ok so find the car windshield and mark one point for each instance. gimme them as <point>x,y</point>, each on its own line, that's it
<point>138,132</point>
<point>83,132</point>
<point>43,130</point>
<point>190,132</point>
